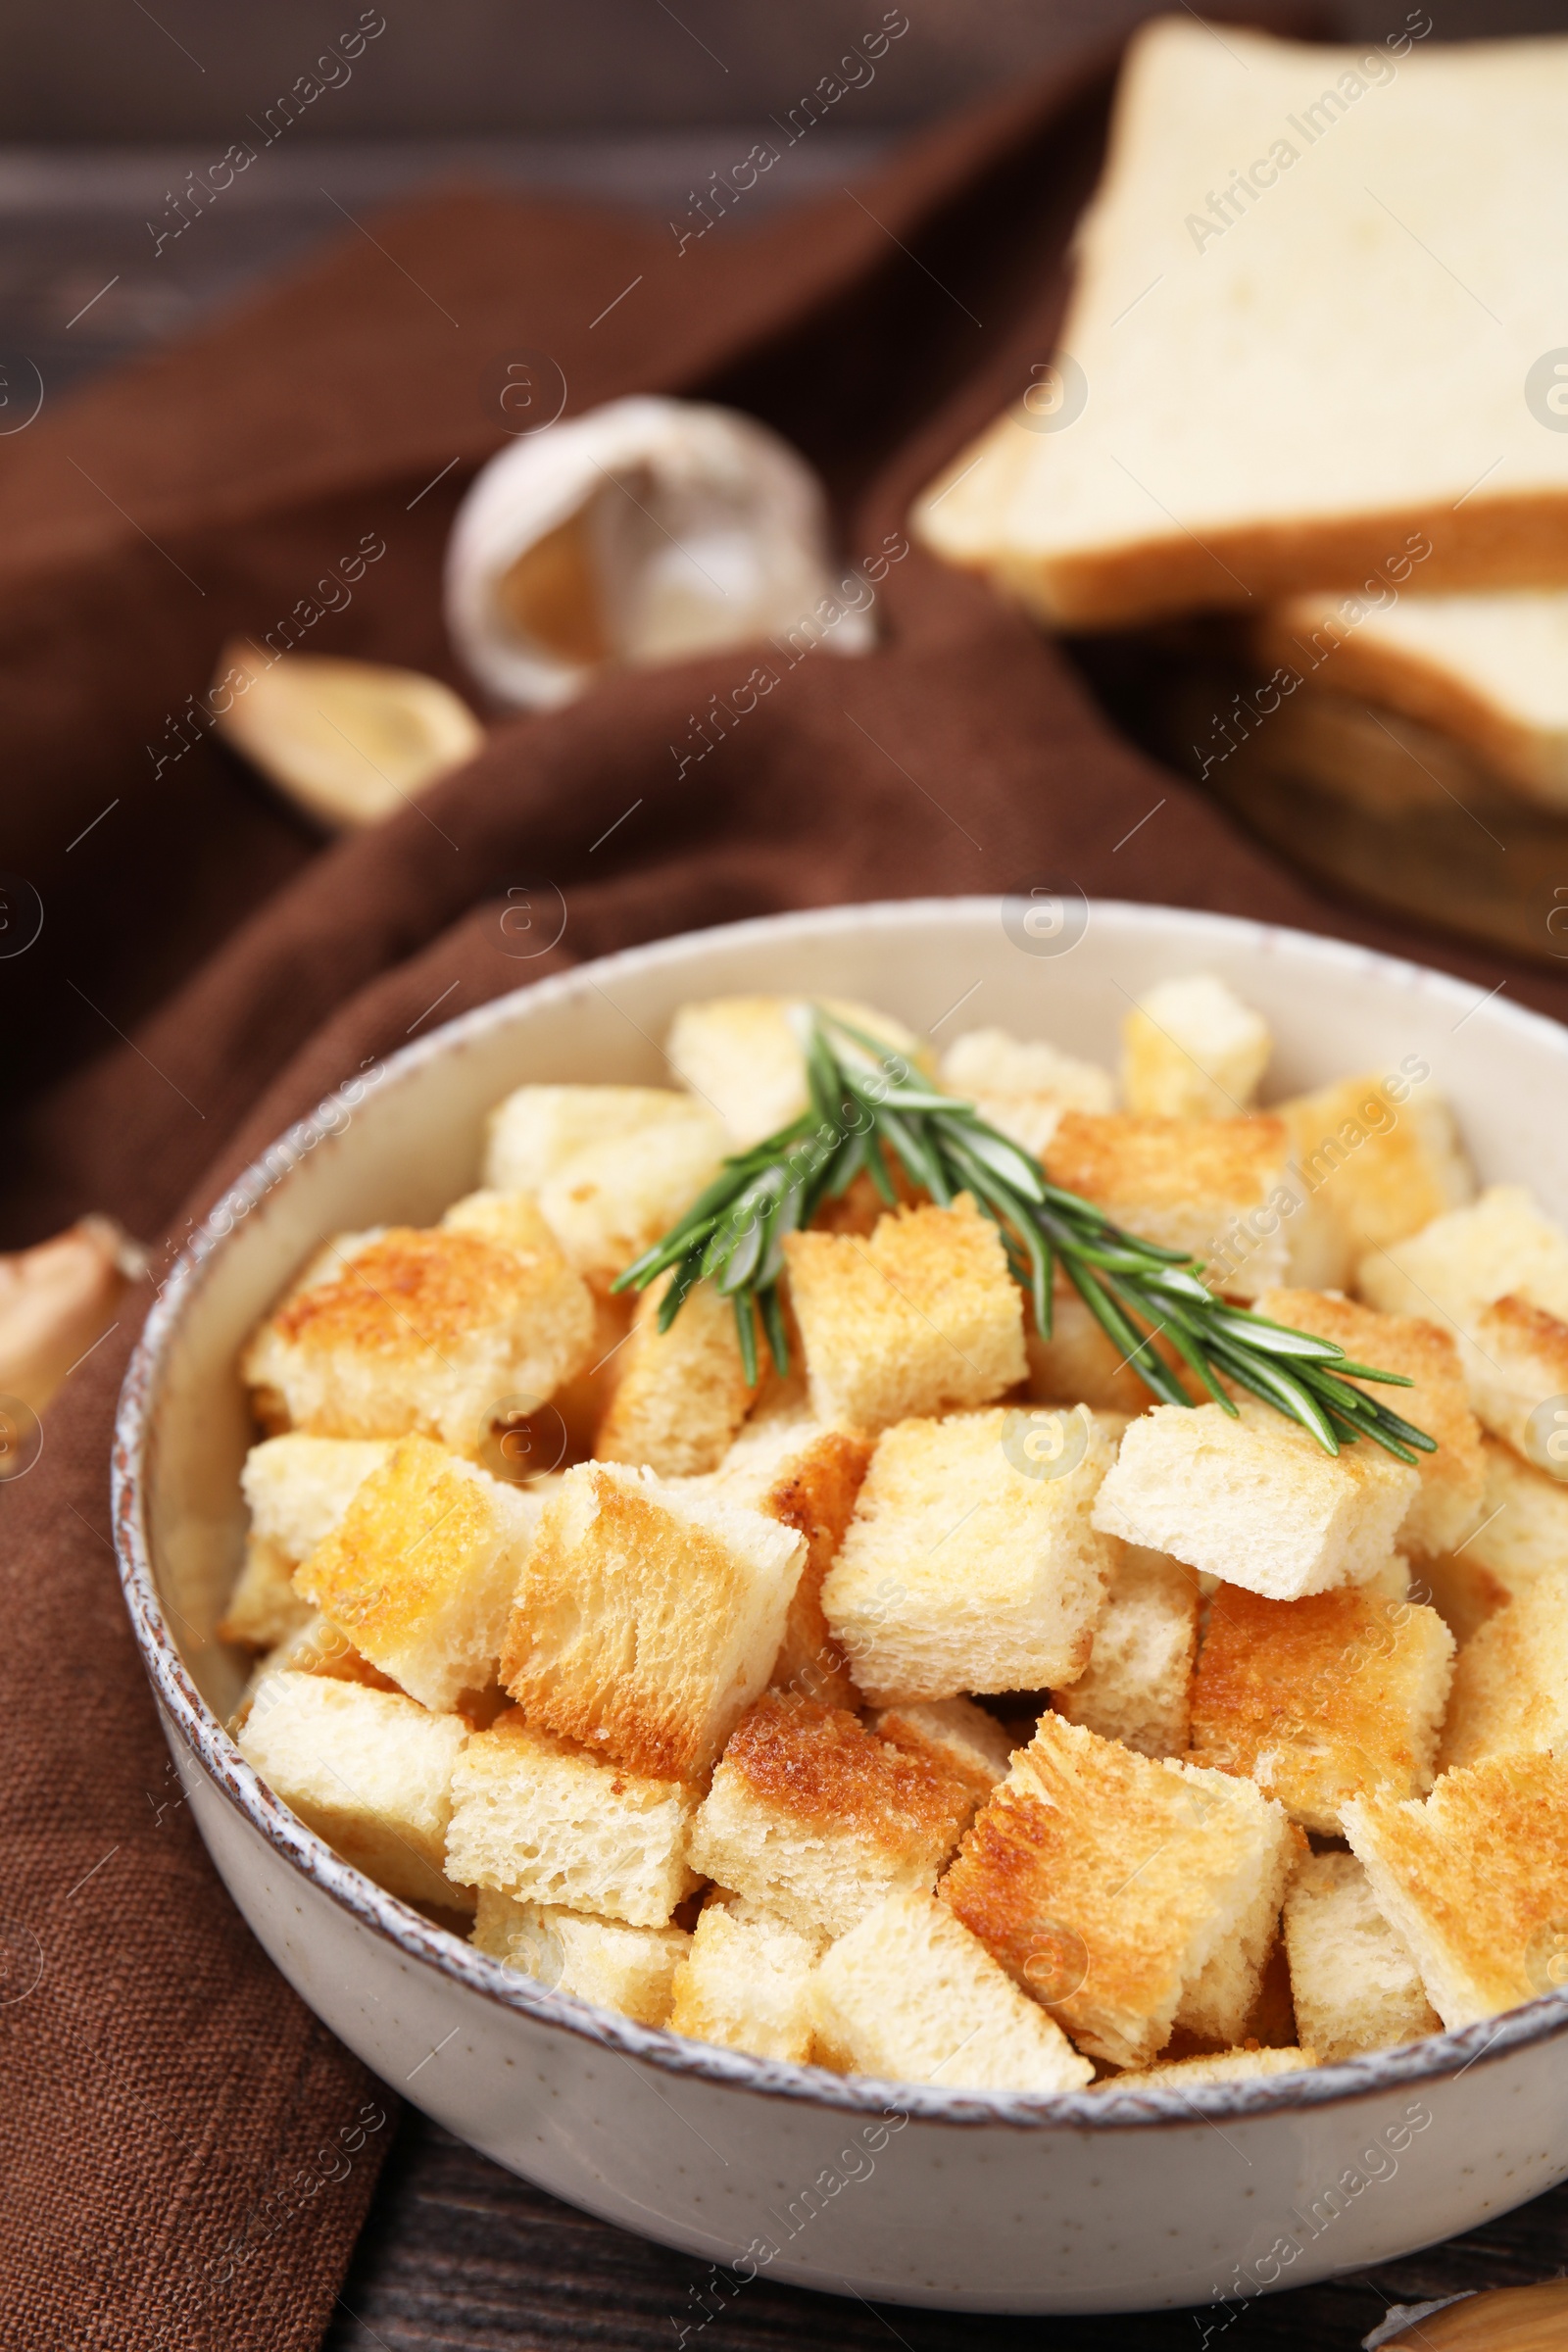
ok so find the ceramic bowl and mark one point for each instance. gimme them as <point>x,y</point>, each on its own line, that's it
<point>898,2194</point>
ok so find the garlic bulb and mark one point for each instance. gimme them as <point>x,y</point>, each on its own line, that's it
<point>646,531</point>
<point>349,742</point>
<point>56,1299</point>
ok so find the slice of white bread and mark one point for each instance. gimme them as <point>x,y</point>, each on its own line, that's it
<point>922,1318</point>
<point>792,1469</point>
<point>1022,1086</point>
<point>741,1055</point>
<point>427,1330</point>
<point>1254,1500</point>
<point>968,1567</point>
<point>612,1167</point>
<point>1475,1881</point>
<point>1277,201</point>
<point>1202,1186</point>
<point>647,1617</point>
<point>953,1732</point>
<point>1137,1687</point>
<point>1224,2066</point>
<point>297,1487</point>
<point>538,1819</point>
<point>369,1771</point>
<point>1191,1049</point>
<point>1323,1698</point>
<point>1510,1688</point>
<point>602,1960</point>
<point>420,1571</point>
<point>1126,1895</point>
<point>1352,1981</point>
<point>746,1983</point>
<point>1382,1156</point>
<point>1523,1534</point>
<point>816,1818</point>
<point>912,1995</point>
<point>1448,1504</point>
<point>681,1395</point>
<point>1496,1275</point>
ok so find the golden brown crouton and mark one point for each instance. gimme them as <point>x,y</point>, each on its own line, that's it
<point>629,1968</point>
<point>1523,1534</point>
<point>1384,1167</point>
<point>1225,2066</point>
<point>612,1168</point>
<point>681,1393</point>
<point>805,1477</point>
<point>746,1983</point>
<point>1353,1980</point>
<point>298,1489</point>
<point>1081,1364</point>
<point>1510,1688</point>
<point>1022,1086</point>
<point>1189,1184</point>
<point>952,1731</point>
<point>1137,1683</point>
<point>1191,1049</point>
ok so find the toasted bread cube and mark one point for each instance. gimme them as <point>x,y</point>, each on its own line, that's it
<point>612,1168</point>
<point>910,1995</point>
<point>742,1057</point>
<point>1128,1896</point>
<point>1213,1188</point>
<point>424,1331</point>
<point>1080,1363</point>
<point>1224,2066</point>
<point>792,1469</point>
<point>1254,1500</point>
<point>1510,1688</point>
<point>647,1617</point>
<point>952,1731</point>
<point>746,1984</point>
<point>420,1571</point>
<point>1023,1085</point>
<point>967,1566</point>
<point>369,1771</point>
<point>1475,1881</point>
<point>316,1646</point>
<point>298,1489</point>
<point>264,1608</point>
<point>1322,1700</point>
<point>601,1960</point>
<point>1385,1162</point>
<point>682,1393</point>
<point>1352,1981</point>
<point>539,1819</point>
<point>1191,1049</point>
<point>1523,1534</point>
<point>1137,1687</point>
<point>816,1818</point>
<point>924,1318</point>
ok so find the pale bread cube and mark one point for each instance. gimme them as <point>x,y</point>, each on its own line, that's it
<point>1523,1534</point>
<point>538,1818</point>
<point>741,1055</point>
<point>1511,1686</point>
<point>1323,1698</point>
<point>1137,1687</point>
<point>746,1984</point>
<point>681,1395</point>
<point>1254,1500</point>
<point>952,1731</point>
<point>264,1608</point>
<point>1209,1187</point>
<point>430,1331</point>
<point>612,1167</point>
<point>1384,1157</point>
<point>923,1317</point>
<point>1128,1896</point>
<point>1182,2074</point>
<point>815,1818</point>
<point>1352,1981</point>
<point>316,1646</point>
<point>601,1960</point>
<point>1022,1086</point>
<point>912,1995</point>
<point>647,1617</point>
<point>298,1488</point>
<point>1475,1881</point>
<point>961,1571</point>
<point>369,1771</point>
<point>420,1571</point>
<point>1191,1049</point>
<point>793,1469</point>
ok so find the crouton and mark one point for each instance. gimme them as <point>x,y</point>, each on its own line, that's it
<point>316,1646</point>
<point>1208,1187</point>
<point>1081,1364</point>
<point>746,1984</point>
<point>538,1818</point>
<point>1510,1688</point>
<point>910,1995</point>
<point>1137,1683</point>
<point>1352,1981</point>
<point>1023,1087</point>
<point>647,1617</point>
<point>1323,1698</point>
<point>1446,1506</point>
<point>1191,1049</point>
<point>807,1477</point>
<point>612,1168</point>
<point>1475,1881</point>
<point>264,1608</point>
<point>741,1055</point>
<point>1384,1167</point>
<point>1126,1895</point>
<point>369,1771</point>
<point>816,1818</point>
<point>967,1566</point>
<point>952,1731</point>
<point>1223,2065</point>
<point>298,1489</point>
<point>601,1960</point>
<point>682,1393</point>
<point>420,1571</point>
<point>924,1318</point>
<point>426,1332</point>
<point>1254,1500</point>
<point>1523,1534</point>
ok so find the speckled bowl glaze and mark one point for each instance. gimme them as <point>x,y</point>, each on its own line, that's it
<point>900,2193</point>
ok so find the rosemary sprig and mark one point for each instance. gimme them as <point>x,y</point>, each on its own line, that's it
<point>867,1104</point>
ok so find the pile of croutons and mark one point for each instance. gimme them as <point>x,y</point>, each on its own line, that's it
<point>942,1711</point>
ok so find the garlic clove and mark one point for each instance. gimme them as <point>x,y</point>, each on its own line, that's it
<point>646,531</point>
<point>349,742</point>
<point>1509,2318</point>
<point>56,1299</point>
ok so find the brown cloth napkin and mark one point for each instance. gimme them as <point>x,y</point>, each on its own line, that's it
<point>170,2172</point>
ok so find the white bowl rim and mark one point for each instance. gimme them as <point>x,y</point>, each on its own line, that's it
<point>1438,2057</point>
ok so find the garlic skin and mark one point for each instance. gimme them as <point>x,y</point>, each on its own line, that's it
<point>646,532</point>
<point>56,1299</point>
